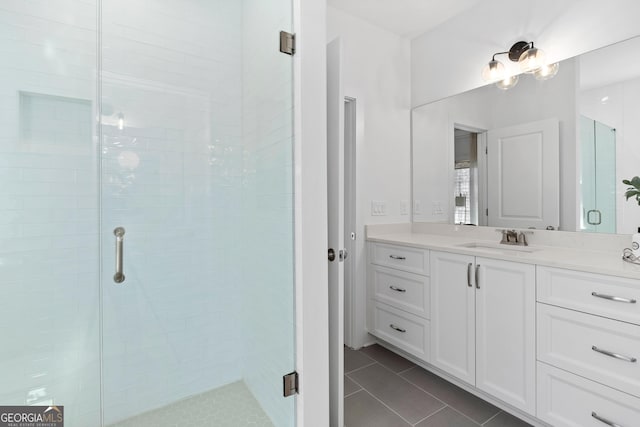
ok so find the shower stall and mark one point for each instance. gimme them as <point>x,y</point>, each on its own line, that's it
<point>146,211</point>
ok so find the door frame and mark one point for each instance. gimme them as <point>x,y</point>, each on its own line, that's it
<point>350,207</point>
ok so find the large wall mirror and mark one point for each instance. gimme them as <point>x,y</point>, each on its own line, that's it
<point>547,154</point>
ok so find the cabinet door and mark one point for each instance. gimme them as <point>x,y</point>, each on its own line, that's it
<point>453,315</point>
<point>505,332</point>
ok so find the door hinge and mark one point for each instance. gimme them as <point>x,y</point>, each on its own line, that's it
<point>287,43</point>
<point>290,384</point>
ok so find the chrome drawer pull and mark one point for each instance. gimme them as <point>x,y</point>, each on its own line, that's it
<point>614,355</point>
<point>604,420</point>
<point>392,326</point>
<point>397,289</point>
<point>469,274</point>
<point>612,298</point>
<point>401,258</point>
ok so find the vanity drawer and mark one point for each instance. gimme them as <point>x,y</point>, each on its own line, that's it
<point>608,296</point>
<point>604,350</point>
<point>402,257</point>
<point>406,291</point>
<point>567,400</point>
<point>405,331</point>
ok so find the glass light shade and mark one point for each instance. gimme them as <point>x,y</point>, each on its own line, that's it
<point>531,60</point>
<point>507,83</point>
<point>493,71</point>
<point>547,71</point>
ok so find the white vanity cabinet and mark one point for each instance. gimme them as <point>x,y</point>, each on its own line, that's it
<point>588,348</point>
<point>399,293</point>
<point>483,325</point>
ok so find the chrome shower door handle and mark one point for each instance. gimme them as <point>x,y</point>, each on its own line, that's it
<point>119,276</point>
<point>596,222</point>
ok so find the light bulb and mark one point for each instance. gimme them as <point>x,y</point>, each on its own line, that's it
<point>121,121</point>
<point>547,71</point>
<point>531,60</point>
<point>507,83</point>
<point>493,71</point>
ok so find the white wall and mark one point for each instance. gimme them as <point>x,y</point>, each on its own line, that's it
<point>489,108</point>
<point>448,59</point>
<point>376,71</point>
<point>310,154</point>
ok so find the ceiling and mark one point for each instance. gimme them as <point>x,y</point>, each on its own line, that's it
<point>407,18</point>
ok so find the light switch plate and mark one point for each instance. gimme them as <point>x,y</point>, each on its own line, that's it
<point>417,208</point>
<point>378,208</point>
<point>404,207</point>
<point>437,208</point>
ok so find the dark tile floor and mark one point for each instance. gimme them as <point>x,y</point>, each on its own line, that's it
<point>382,389</point>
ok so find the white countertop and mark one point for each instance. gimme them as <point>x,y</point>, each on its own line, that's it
<point>594,261</point>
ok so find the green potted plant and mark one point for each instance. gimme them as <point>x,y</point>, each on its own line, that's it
<point>634,190</point>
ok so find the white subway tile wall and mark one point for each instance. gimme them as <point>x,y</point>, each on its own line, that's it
<point>193,158</point>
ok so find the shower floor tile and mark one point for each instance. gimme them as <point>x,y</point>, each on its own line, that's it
<point>230,406</point>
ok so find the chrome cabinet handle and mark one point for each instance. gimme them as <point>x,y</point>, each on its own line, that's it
<point>392,326</point>
<point>604,420</point>
<point>614,355</point>
<point>469,266</point>
<point>401,258</point>
<point>613,298</point>
<point>119,276</point>
<point>394,288</point>
<point>478,276</point>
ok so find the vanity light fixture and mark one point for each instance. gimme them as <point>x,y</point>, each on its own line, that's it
<point>531,60</point>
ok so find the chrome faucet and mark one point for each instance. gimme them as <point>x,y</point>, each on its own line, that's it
<point>509,237</point>
<point>512,237</point>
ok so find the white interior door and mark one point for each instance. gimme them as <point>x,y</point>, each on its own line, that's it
<point>523,170</point>
<point>335,188</point>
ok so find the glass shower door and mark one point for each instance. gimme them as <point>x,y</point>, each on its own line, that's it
<point>197,228</point>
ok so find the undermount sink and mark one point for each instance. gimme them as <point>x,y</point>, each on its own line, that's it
<point>497,247</point>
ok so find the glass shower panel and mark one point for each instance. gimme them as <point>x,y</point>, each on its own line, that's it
<point>605,185</point>
<point>197,170</point>
<point>49,217</point>
<point>598,176</point>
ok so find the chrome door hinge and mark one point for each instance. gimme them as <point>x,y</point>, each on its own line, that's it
<point>290,384</point>
<point>287,43</point>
